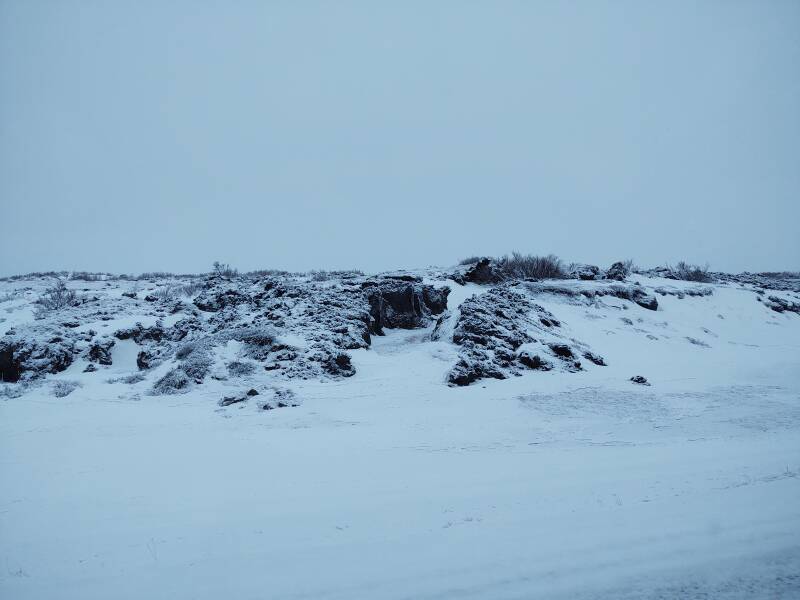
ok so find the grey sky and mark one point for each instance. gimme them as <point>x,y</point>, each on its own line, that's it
<point>164,135</point>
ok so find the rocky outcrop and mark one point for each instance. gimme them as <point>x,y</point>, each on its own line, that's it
<point>484,271</point>
<point>100,352</point>
<point>584,272</point>
<point>781,305</point>
<point>504,332</point>
<point>632,292</point>
<point>32,354</point>
<point>681,293</point>
<point>617,272</point>
<point>403,304</point>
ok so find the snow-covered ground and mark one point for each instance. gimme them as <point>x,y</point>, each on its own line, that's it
<point>391,484</point>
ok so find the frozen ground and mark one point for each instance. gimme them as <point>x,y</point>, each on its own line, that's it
<point>390,484</point>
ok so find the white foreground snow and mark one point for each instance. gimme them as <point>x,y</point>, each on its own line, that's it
<point>392,485</point>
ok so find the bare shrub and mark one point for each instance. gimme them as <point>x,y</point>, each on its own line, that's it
<point>155,275</point>
<point>267,273</point>
<point>319,275</point>
<point>224,270</point>
<point>64,388</point>
<point>86,276</point>
<point>239,368</point>
<point>688,272</point>
<point>57,297</point>
<point>529,266</point>
<point>40,275</point>
<point>628,267</point>
<point>185,350</point>
<point>166,293</point>
<point>190,289</point>
<point>255,336</point>
<point>197,365</point>
<point>174,381</point>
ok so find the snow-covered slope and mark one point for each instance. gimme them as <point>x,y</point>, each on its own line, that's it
<point>377,479</point>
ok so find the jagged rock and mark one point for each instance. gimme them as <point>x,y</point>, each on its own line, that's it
<point>633,292</point>
<point>595,358</point>
<point>100,352</point>
<point>228,400</point>
<point>585,272</point>
<point>218,297</point>
<point>23,357</point>
<point>403,304</point>
<point>483,271</point>
<point>143,360</point>
<point>140,334</point>
<point>682,293</point>
<point>781,305</point>
<point>617,271</point>
<point>502,333</point>
<point>534,361</point>
<point>638,379</point>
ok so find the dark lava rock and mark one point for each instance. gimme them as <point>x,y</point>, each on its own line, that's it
<point>782,305</point>
<point>140,334</point>
<point>595,358</point>
<point>640,380</point>
<point>585,272</point>
<point>90,368</point>
<point>339,365</point>
<point>218,297</point>
<point>483,271</point>
<point>561,350</point>
<point>617,271</point>
<point>400,304</point>
<point>252,392</point>
<point>228,400</point>
<point>100,352</point>
<point>495,332</point>
<point>29,357</point>
<point>534,361</point>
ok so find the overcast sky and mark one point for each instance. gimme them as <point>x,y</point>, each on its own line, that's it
<point>165,135</point>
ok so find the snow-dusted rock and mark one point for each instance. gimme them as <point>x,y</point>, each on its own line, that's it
<point>503,332</point>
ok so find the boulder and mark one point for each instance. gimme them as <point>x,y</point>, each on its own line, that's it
<point>100,352</point>
<point>617,271</point>
<point>585,272</point>
<point>484,271</point>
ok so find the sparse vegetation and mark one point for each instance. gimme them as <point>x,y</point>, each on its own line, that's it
<point>166,293</point>
<point>40,275</point>
<point>238,368</point>
<point>87,276</point>
<point>57,297</point>
<point>689,272</point>
<point>64,388</point>
<point>321,275</point>
<point>155,275</point>
<point>190,289</point>
<point>529,266</point>
<point>628,267</point>
<point>224,270</point>
<point>174,381</point>
<point>268,273</point>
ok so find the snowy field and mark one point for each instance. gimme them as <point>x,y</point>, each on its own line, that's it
<point>392,485</point>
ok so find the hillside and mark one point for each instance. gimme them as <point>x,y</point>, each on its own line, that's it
<point>428,434</point>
